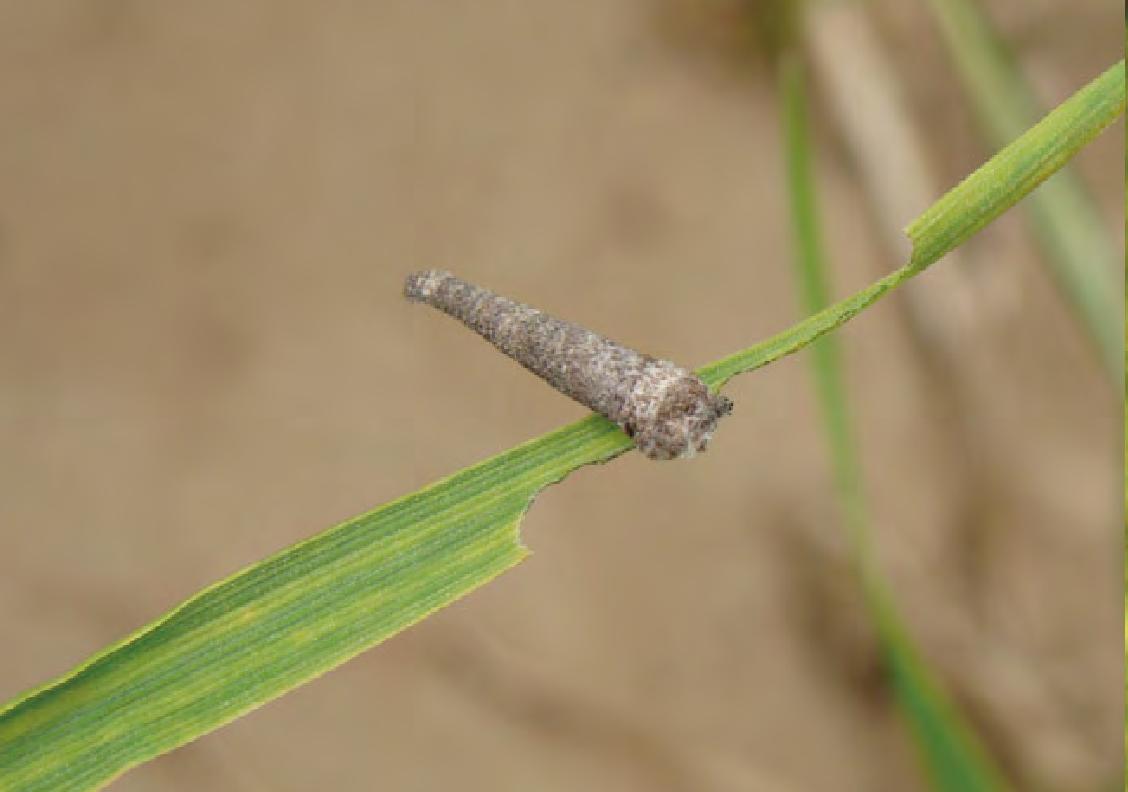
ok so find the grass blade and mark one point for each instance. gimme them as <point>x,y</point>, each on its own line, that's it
<point>290,618</point>
<point>286,620</point>
<point>951,753</point>
<point>993,188</point>
<point>814,293</point>
<point>1063,218</point>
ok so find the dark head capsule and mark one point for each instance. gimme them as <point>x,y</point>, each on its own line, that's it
<point>668,411</point>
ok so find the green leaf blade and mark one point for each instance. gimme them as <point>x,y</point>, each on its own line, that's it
<point>290,618</point>
<point>286,620</point>
<point>1064,220</point>
<point>1016,170</point>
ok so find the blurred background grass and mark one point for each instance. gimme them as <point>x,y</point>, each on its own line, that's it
<point>206,211</point>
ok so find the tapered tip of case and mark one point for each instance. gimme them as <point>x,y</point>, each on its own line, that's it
<point>419,286</point>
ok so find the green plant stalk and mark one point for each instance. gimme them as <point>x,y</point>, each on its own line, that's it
<point>1062,215</point>
<point>292,617</point>
<point>814,297</point>
<point>952,755</point>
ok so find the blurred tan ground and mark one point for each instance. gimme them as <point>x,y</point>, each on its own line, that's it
<point>206,211</point>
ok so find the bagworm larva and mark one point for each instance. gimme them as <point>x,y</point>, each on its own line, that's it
<point>668,411</point>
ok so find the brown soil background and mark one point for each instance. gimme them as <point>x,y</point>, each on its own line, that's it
<point>206,212</point>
